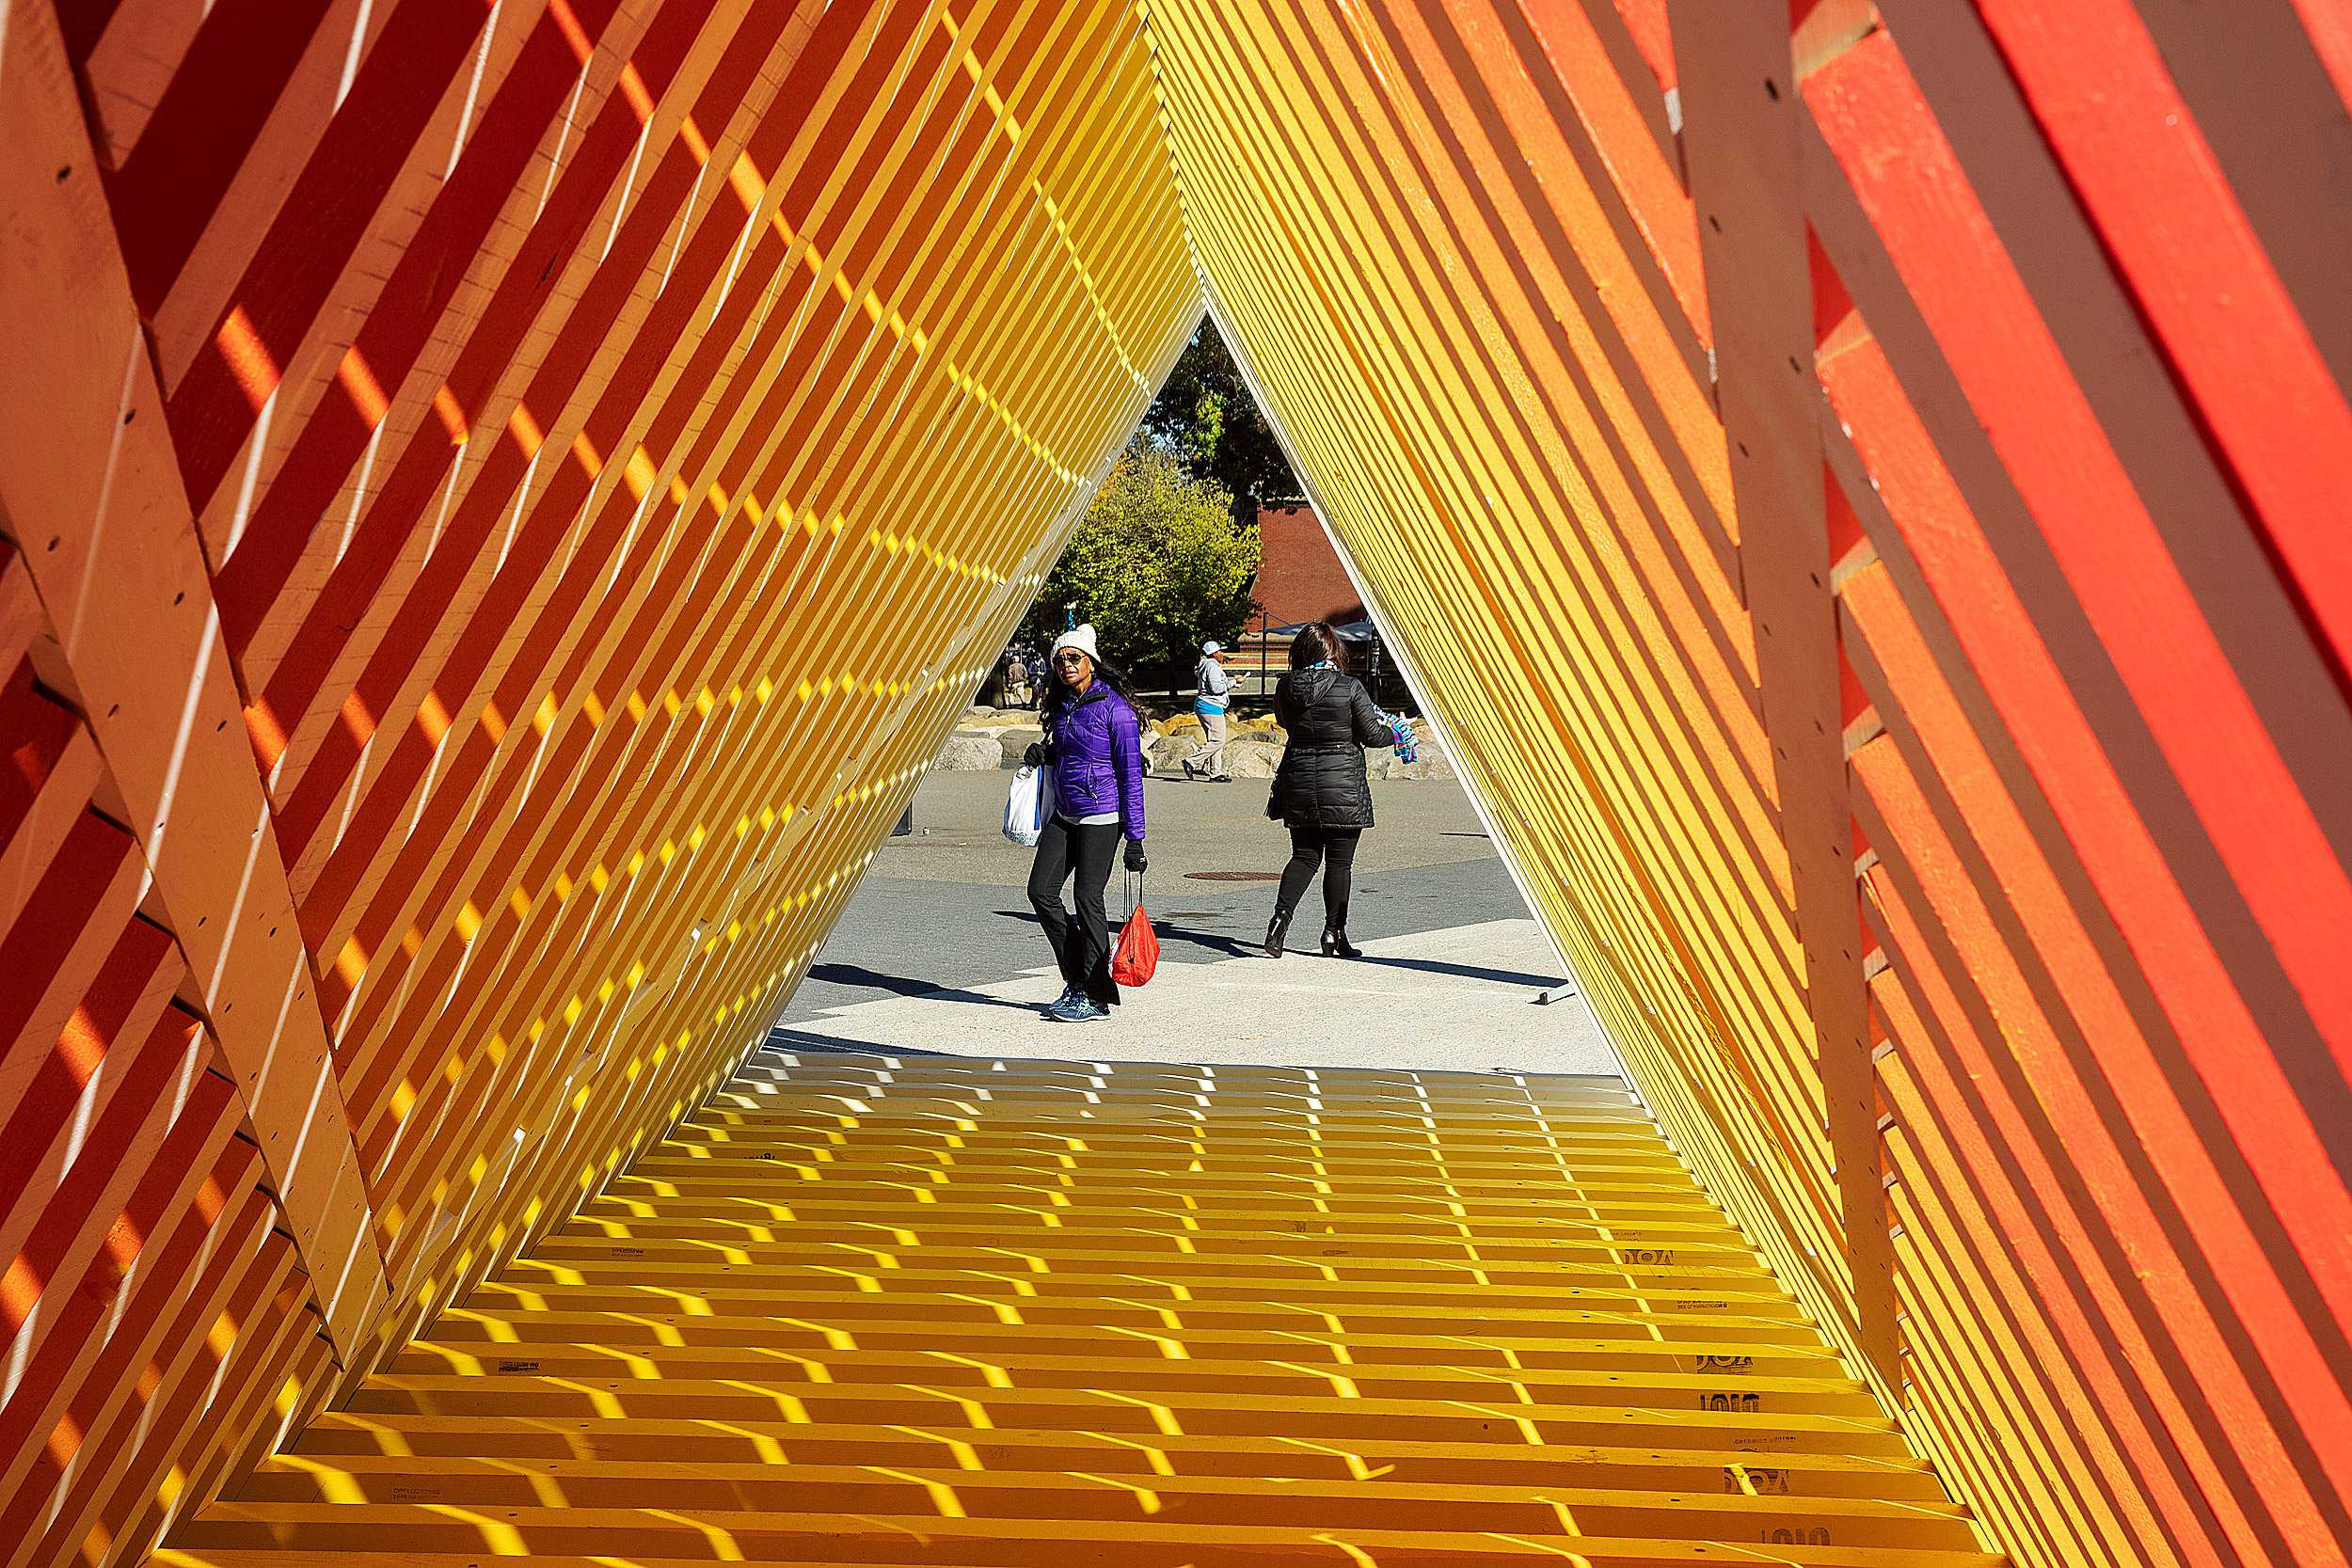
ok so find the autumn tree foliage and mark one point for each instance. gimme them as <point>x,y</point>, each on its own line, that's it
<point>1158,564</point>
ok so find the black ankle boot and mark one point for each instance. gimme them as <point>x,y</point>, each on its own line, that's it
<point>1275,929</point>
<point>1335,943</point>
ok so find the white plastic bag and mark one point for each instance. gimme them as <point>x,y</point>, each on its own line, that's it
<point>1025,805</point>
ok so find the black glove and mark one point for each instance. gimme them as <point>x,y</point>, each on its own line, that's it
<point>1035,755</point>
<point>1135,862</point>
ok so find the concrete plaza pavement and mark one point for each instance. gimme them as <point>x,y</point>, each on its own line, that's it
<point>939,952</point>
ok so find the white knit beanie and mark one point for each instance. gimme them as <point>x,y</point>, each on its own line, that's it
<point>1082,638</point>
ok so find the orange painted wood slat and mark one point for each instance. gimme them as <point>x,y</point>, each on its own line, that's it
<point>2090,527</point>
<point>1743,152</point>
<point>85,463</point>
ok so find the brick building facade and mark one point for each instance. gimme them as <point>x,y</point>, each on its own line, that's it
<point>1299,574</point>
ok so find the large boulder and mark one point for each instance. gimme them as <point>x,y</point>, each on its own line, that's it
<point>1428,763</point>
<point>1017,741</point>
<point>1167,754</point>
<point>966,753</point>
<point>1252,762</point>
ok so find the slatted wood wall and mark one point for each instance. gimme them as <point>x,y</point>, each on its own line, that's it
<point>501,502</point>
<point>1863,486</point>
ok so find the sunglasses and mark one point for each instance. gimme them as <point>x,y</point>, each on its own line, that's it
<point>1070,658</point>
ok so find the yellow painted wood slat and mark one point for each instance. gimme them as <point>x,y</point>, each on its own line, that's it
<point>1197,1377</point>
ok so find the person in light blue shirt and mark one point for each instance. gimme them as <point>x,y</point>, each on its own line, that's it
<point>1215,695</point>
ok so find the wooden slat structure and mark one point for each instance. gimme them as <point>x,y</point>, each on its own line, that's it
<point>871,1309</point>
<point>500,503</point>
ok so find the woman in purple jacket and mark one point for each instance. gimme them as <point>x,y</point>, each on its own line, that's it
<point>1094,743</point>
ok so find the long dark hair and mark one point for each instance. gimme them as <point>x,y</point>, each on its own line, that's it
<point>1060,693</point>
<point>1317,643</point>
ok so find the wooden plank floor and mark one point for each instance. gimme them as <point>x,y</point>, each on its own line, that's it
<point>891,1310</point>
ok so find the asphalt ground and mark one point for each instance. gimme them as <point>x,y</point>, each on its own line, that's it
<point>1460,999</point>
<point>946,908</point>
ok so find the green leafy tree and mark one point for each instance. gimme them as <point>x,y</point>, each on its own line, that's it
<point>1157,565</point>
<point>1205,413</point>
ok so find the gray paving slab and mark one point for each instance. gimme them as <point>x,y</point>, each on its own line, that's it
<point>939,952</point>
<point>946,908</point>
<point>1457,999</point>
<point>903,935</point>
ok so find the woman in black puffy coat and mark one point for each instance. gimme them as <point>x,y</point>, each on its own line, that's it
<point>1320,790</point>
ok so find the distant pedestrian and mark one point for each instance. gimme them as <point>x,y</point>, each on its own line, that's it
<point>1214,696</point>
<point>1094,743</point>
<point>1017,681</point>
<point>1321,791</point>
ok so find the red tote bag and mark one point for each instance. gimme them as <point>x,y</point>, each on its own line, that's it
<point>1138,953</point>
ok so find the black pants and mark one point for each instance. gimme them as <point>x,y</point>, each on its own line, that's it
<point>1083,949</point>
<point>1336,849</point>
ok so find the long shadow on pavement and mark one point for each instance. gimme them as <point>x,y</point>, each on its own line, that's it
<point>858,974</point>
<point>793,1042</point>
<point>1227,946</point>
<point>1163,926</point>
<point>850,974</point>
<point>1468,972</point>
